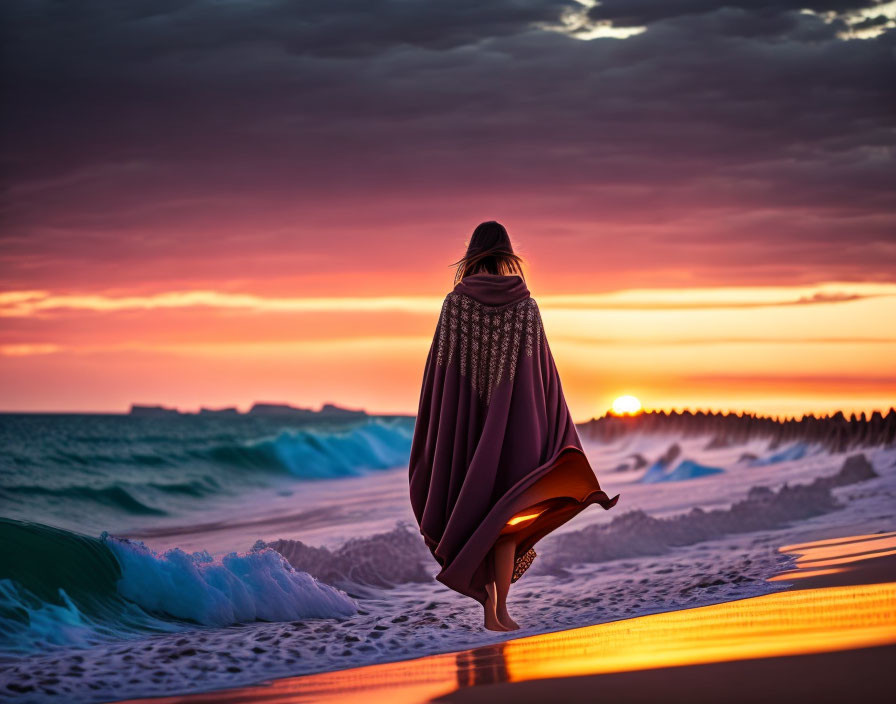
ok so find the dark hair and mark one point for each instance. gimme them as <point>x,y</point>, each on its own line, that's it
<point>489,251</point>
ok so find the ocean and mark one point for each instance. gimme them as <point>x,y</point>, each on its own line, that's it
<point>143,556</point>
<point>70,483</point>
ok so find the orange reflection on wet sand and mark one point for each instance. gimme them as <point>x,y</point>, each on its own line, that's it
<point>794,622</point>
<point>839,556</point>
<point>804,574</point>
<point>797,547</point>
<point>785,623</point>
<point>812,564</point>
<point>825,550</point>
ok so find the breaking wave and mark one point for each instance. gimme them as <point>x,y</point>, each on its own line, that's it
<point>89,477</point>
<point>381,560</point>
<point>400,555</point>
<point>310,454</point>
<point>635,533</point>
<point>59,588</point>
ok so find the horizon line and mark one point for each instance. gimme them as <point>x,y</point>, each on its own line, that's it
<point>608,414</point>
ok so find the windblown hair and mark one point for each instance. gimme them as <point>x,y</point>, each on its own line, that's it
<point>489,252</point>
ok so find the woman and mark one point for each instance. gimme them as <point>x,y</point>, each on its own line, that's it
<point>496,462</point>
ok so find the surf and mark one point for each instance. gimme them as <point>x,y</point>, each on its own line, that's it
<point>101,471</point>
<point>59,588</point>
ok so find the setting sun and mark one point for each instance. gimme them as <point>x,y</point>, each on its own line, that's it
<point>626,405</point>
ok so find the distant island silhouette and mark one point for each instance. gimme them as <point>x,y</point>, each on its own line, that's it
<point>835,432</point>
<point>267,410</point>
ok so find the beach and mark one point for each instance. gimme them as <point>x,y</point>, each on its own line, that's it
<point>723,560</point>
<point>831,638</point>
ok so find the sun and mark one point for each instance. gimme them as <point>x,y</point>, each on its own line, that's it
<point>626,406</point>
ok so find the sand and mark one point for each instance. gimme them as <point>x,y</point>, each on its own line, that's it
<point>862,675</point>
<point>831,638</point>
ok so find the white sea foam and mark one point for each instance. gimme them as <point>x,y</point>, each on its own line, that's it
<point>384,559</point>
<point>693,559</point>
<point>686,469</point>
<point>796,451</point>
<point>239,588</point>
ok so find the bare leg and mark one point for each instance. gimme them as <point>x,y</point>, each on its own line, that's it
<point>505,554</point>
<point>491,619</point>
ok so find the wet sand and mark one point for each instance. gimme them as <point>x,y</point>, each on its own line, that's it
<point>863,675</point>
<point>829,638</point>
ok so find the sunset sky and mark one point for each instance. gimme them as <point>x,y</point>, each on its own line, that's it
<point>213,203</point>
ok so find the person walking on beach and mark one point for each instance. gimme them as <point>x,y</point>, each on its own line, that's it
<point>496,462</point>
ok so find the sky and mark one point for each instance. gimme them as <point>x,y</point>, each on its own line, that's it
<point>215,203</point>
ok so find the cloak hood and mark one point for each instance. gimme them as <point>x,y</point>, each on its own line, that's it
<point>493,434</point>
<point>493,290</point>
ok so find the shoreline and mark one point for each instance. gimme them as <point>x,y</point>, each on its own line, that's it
<point>838,618</point>
<point>849,675</point>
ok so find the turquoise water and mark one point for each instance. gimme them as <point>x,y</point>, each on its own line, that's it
<point>92,472</point>
<point>67,479</point>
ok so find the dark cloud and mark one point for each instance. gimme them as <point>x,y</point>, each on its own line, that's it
<point>871,22</point>
<point>754,122</point>
<point>643,12</point>
<point>145,29</point>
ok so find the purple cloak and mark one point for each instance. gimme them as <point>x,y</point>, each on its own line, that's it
<point>493,434</point>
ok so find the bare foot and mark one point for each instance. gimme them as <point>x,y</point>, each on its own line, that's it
<point>491,619</point>
<point>493,624</point>
<point>506,621</point>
